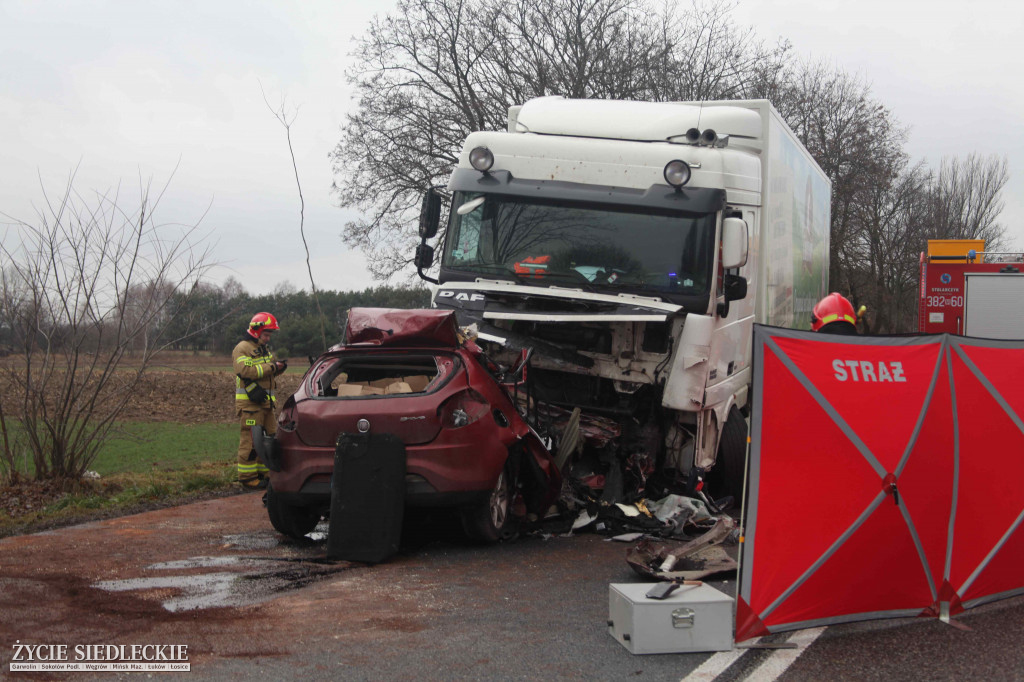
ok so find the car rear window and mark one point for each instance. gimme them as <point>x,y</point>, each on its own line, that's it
<point>360,376</point>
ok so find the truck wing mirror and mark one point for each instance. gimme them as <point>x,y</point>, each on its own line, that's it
<point>734,287</point>
<point>734,243</point>
<point>430,214</point>
<point>424,256</point>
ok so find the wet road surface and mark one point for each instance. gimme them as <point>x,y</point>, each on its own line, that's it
<point>215,577</point>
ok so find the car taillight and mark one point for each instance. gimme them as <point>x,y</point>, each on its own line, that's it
<point>288,419</point>
<point>462,409</point>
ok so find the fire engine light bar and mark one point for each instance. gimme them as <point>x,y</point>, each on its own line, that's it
<point>677,173</point>
<point>481,159</point>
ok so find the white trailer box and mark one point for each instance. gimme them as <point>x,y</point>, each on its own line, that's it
<point>691,619</point>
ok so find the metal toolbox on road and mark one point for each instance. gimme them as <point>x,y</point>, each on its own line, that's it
<point>692,618</point>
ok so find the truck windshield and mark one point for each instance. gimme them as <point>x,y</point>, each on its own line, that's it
<point>595,246</point>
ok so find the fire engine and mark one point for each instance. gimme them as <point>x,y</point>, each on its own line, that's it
<point>967,290</point>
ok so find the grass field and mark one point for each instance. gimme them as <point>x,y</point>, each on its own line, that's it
<point>138,447</point>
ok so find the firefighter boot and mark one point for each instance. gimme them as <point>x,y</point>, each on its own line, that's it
<point>248,474</point>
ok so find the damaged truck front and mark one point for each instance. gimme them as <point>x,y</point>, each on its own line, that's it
<point>633,245</point>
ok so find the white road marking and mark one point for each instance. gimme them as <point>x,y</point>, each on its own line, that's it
<point>716,665</point>
<point>781,659</point>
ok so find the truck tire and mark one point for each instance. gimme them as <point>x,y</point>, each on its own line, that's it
<point>726,478</point>
<point>288,519</point>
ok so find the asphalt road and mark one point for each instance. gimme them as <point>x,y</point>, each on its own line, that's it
<point>215,577</point>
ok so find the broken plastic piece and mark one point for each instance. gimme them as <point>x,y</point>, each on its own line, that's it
<point>584,519</point>
<point>694,559</point>
<point>628,509</point>
<point>678,510</point>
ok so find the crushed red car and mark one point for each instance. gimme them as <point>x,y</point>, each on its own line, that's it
<point>411,374</point>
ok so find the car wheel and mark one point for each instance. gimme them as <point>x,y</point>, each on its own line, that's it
<point>289,519</point>
<point>726,478</point>
<point>492,520</point>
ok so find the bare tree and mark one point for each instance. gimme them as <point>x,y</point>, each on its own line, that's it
<point>890,215</point>
<point>286,119</point>
<point>856,141</point>
<point>966,202</point>
<point>232,288</point>
<point>433,71</point>
<point>884,209</point>
<point>87,281</point>
<point>704,55</point>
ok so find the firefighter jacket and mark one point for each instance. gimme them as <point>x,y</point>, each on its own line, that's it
<point>253,363</point>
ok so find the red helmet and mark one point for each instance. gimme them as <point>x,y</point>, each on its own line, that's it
<point>262,322</point>
<point>832,308</point>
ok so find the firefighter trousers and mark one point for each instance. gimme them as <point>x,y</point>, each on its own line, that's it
<point>250,468</point>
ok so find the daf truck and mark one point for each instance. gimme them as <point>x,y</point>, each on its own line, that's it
<point>632,246</point>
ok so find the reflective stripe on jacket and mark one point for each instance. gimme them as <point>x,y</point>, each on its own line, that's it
<point>252,362</point>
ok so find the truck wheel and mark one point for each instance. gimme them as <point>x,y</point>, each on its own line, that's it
<point>289,519</point>
<point>492,520</point>
<point>726,478</point>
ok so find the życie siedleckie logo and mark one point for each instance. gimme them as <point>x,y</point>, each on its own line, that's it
<point>99,652</point>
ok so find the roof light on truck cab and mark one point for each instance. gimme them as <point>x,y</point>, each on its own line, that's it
<point>708,138</point>
<point>677,173</point>
<point>481,159</point>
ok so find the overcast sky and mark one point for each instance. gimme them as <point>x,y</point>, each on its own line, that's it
<point>123,89</point>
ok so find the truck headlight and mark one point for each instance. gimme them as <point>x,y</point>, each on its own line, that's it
<point>677,173</point>
<point>481,158</point>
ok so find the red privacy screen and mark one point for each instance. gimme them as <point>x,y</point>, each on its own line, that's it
<point>885,478</point>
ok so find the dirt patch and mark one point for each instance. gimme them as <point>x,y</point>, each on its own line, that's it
<point>53,582</point>
<point>173,391</point>
<point>192,397</point>
<point>30,496</point>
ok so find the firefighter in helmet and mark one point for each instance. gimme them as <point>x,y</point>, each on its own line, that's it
<point>255,369</point>
<point>834,315</point>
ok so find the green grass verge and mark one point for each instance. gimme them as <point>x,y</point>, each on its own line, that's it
<point>136,447</point>
<point>124,493</point>
<point>143,465</point>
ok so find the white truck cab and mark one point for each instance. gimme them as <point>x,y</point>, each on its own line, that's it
<point>633,245</point>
